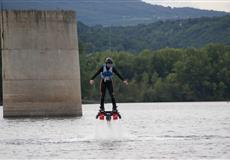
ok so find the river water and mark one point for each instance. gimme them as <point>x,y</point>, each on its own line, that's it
<point>147,130</point>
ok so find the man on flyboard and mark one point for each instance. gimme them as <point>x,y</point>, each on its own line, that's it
<point>106,72</point>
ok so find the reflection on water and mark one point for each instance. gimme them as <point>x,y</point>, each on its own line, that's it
<point>147,130</point>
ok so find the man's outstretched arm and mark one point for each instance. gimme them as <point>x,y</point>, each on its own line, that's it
<point>118,74</point>
<point>97,73</point>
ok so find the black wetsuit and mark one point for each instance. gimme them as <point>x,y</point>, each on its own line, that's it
<point>107,84</point>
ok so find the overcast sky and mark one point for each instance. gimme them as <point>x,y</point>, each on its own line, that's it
<point>220,5</point>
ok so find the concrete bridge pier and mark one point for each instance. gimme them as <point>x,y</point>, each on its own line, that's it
<point>40,64</point>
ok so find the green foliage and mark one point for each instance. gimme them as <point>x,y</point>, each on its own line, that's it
<point>162,34</point>
<point>164,75</point>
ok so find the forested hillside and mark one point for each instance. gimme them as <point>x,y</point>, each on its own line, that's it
<point>112,12</point>
<point>177,34</point>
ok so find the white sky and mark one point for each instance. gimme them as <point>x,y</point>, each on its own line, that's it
<point>220,5</point>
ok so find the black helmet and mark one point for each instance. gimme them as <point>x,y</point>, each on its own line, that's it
<point>109,60</point>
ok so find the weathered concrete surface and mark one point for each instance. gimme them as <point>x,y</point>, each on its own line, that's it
<point>41,72</point>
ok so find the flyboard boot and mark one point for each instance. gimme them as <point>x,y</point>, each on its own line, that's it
<point>101,113</point>
<point>115,113</point>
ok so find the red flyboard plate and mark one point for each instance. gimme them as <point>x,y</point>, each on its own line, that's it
<point>101,116</point>
<point>115,116</point>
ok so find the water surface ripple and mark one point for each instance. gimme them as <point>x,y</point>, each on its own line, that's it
<point>147,130</point>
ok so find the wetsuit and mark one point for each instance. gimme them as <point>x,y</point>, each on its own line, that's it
<point>107,83</point>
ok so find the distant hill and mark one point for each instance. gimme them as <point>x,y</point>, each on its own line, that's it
<point>171,33</point>
<point>112,12</point>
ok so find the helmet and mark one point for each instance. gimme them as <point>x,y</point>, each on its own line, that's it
<point>109,60</point>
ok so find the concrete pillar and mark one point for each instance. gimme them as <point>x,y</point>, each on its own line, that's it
<point>40,60</point>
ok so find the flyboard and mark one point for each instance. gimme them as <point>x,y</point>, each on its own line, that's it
<point>108,115</point>
<point>108,126</point>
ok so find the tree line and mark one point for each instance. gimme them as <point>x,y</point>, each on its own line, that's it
<point>170,74</point>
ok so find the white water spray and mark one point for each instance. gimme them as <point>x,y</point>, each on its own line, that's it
<point>109,130</point>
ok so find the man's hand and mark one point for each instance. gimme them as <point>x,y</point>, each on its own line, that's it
<point>91,82</point>
<point>125,82</point>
